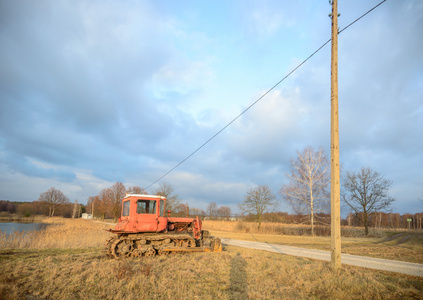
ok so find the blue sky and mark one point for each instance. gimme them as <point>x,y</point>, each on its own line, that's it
<point>95,92</point>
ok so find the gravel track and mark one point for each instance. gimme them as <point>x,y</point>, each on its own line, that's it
<point>347,259</point>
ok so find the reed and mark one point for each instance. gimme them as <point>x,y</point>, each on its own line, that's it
<point>60,233</point>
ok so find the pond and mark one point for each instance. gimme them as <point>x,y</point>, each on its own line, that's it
<point>9,227</point>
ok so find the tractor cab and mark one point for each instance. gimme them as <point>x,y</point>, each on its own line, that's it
<point>142,213</point>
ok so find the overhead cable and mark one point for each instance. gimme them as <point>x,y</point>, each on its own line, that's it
<point>260,98</point>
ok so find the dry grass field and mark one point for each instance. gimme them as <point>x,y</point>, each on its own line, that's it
<point>68,263</point>
<point>403,246</point>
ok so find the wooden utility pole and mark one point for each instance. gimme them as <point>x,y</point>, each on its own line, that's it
<point>334,152</point>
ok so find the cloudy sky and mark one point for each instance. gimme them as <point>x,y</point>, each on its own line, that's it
<point>96,92</point>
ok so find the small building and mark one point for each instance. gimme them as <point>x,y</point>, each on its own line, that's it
<point>87,216</point>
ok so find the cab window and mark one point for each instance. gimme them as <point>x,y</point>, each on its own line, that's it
<point>161,208</point>
<point>125,210</point>
<point>146,206</point>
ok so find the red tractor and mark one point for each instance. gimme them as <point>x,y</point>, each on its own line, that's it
<point>144,230</point>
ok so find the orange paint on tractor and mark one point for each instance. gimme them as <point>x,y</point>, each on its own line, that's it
<point>144,230</point>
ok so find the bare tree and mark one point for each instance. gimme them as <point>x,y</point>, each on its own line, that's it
<point>103,207</point>
<point>53,198</point>
<point>211,210</point>
<point>197,212</point>
<point>182,210</point>
<point>307,191</point>
<point>136,190</point>
<point>366,192</point>
<point>224,212</point>
<point>94,206</point>
<point>258,201</point>
<point>117,193</point>
<point>166,190</point>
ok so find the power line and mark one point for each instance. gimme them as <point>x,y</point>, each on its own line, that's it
<point>237,117</point>
<point>362,16</point>
<point>260,98</point>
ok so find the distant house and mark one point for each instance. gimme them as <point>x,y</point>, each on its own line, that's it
<point>87,216</point>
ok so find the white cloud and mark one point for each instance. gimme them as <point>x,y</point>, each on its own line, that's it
<point>97,92</point>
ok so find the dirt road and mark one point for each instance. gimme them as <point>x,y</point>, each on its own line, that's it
<point>347,259</point>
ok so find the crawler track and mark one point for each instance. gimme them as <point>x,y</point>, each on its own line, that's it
<point>138,245</point>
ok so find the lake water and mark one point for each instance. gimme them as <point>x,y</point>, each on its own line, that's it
<point>9,227</point>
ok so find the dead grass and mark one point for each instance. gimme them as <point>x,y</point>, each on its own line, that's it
<point>66,261</point>
<point>61,233</point>
<point>235,273</point>
<point>403,246</point>
<point>285,229</point>
<point>78,233</point>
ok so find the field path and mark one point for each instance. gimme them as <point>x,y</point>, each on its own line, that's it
<point>347,259</point>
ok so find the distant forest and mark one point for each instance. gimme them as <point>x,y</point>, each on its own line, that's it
<point>377,220</point>
<point>27,209</point>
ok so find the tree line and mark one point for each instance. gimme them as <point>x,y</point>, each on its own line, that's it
<point>376,220</point>
<point>50,203</point>
<point>27,209</point>
<point>214,212</point>
<point>389,220</point>
<point>108,203</point>
<point>365,193</point>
